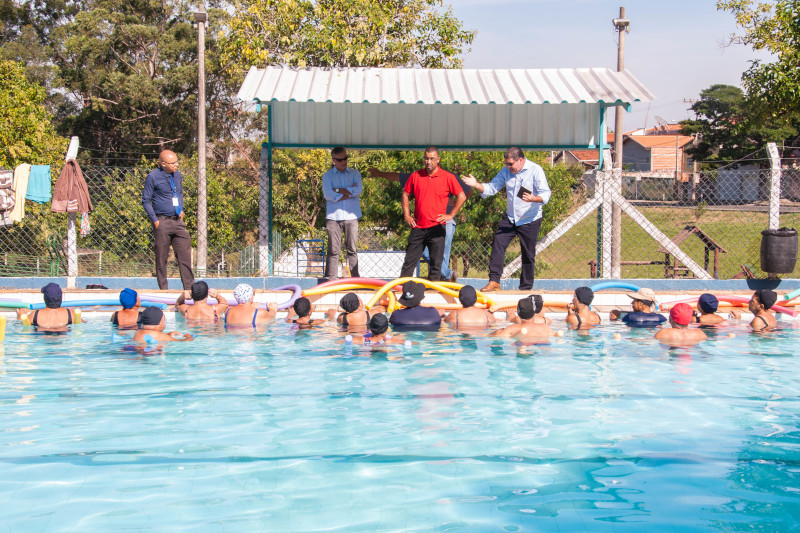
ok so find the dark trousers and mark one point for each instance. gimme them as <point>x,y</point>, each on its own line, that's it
<point>528,235</point>
<point>418,239</point>
<point>173,233</point>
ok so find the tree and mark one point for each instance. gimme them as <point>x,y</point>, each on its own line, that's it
<point>772,26</point>
<point>726,129</point>
<point>27,134</point>
<point>344,33</point>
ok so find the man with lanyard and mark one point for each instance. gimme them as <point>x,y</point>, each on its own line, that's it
<point>431,188</point>
<point>341,186</point>
<point>162,198</point>
<point>527,192</point>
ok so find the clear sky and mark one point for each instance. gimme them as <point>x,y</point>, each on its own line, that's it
<point>673,47</point>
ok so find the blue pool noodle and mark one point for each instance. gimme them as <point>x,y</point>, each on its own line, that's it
<point>614,285</point>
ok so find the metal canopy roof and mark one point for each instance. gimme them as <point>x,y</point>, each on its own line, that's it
<point>411,108</point>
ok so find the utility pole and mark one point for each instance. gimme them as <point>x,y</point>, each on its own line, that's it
<point>622,26</point>
<point>201,17</point>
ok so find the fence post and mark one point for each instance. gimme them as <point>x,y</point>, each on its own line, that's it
<point>606,182</point>
<point>774,186</point>
<point>72,236</point>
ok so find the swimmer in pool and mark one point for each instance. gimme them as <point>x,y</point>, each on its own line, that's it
<point>127,317</point>
<point>378,327</point>
<point>538,318</point>
<point>470,316</point>
<point>53,317</point>
<point>643,303</point>
<point>760,304</point>
<point>679,333</point>
<point>151,328</point>
<point>201,311</point>
<point>579,315</point>
<point>246,314</point>
<point>706,314</point>
<point>302,309</point>
<point>415,316</point>
<point>527,308</point>
<point>354,314</point>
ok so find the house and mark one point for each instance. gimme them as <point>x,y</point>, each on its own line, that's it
<point>660,153</point>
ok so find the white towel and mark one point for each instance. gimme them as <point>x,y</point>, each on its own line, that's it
<point>21,175</point>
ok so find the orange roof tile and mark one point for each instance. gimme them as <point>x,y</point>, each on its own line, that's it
<point>585,155</point>
<point>650,141</point>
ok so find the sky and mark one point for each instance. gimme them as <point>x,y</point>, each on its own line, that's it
<point>673,47</point>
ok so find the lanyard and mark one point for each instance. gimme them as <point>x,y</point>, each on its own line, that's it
<point>172,184</point>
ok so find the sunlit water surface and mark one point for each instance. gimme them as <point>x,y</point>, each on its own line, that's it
<point>285,430</point>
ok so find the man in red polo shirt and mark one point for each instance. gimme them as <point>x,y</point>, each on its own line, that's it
<point>431,188</point>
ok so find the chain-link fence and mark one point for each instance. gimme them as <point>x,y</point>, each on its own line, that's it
<point>714,217</point>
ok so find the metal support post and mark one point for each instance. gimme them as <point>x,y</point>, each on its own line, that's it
<point>774,186</point>
<point>201,17</point>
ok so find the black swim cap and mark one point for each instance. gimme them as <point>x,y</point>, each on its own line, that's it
<point>525,308</point>
<point>767,297</point>
<point>585,295</point>
<point>199,290</point>
<point>150,317</point>
<point>302,306</point>
<point>467,296</point>
<point>378,324</point>
<point>349,302</point>
<point>538,303</point>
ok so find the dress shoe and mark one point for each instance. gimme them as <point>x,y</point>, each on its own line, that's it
<point>491,286</point>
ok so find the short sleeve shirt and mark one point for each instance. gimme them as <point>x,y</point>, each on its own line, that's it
<point>431,194</point>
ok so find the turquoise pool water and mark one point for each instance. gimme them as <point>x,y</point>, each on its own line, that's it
<point>287,431</point>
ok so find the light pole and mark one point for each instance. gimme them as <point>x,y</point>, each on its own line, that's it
<point>201,17</point>
<point>621,24</point>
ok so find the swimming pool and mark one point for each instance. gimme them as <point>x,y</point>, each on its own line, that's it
<point>288,431</point>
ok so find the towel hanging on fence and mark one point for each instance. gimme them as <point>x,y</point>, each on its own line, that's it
<point>39,184</point>
<point>71,193</point>
<point>85,227</point>
<point>21,174</point>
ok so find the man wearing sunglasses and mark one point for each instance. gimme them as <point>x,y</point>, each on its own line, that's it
<point>526,193</point>
<point>341,186</point>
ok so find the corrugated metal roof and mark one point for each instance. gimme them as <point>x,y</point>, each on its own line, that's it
<point>442,86</point>
<point>413,108</point>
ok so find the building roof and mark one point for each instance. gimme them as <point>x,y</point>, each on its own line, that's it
<point>666,141</point>
<point>466,108</point>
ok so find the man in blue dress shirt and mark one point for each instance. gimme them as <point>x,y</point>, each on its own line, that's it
<point>341,186</point>
<point>526,193</point>
<point>162,198</point>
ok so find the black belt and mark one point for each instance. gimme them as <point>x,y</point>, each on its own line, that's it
<point>173,217</point>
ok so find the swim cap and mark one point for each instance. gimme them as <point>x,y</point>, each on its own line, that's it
<point>302,306</point>
<point>243,293</point>
<point>199,290</point>
<point>150,317</point>
<point>349,302</point>
<point>467,296</point>
<point>708,303</point>
<point>378,324</point>
<point>538,303</point>
<point>525,308</point>
<point>585,295</point>
<point>413,293</point>
<point>52,296</point>
<point>681,314</point>
<point>767,297</point>
<point>127,298</point>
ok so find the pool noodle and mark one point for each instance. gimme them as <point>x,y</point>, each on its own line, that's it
<point>297,292</point>
<point>795,293</point>
<point>359,281</point>
<point>738,300</point>
<point>505,305</point>
<point>614,285</point>
<point>92,303</point>
<point>318,290</point>
<point>439,286</point>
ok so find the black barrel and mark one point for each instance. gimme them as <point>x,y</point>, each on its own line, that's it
<point>778,250</point>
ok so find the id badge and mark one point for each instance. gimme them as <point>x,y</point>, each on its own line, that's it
<point>174,201</point>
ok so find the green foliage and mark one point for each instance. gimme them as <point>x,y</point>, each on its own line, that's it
<point>344,33</point>
<point>772,26</point>
<point>26,132</point>
<point>727,128</point>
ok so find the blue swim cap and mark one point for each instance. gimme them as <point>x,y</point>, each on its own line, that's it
<point>127,298</point>
<point>708,303</point>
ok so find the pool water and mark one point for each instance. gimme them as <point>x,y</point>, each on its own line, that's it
<point>288,430</point>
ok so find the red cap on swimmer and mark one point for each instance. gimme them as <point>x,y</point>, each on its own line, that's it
<point>681,314</point>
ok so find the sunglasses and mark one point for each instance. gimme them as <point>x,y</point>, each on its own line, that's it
<point>511,164</point>
<point>340,159</point>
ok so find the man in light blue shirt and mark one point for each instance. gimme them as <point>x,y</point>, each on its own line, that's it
<point>526,193</point>
<point>341,186</point>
